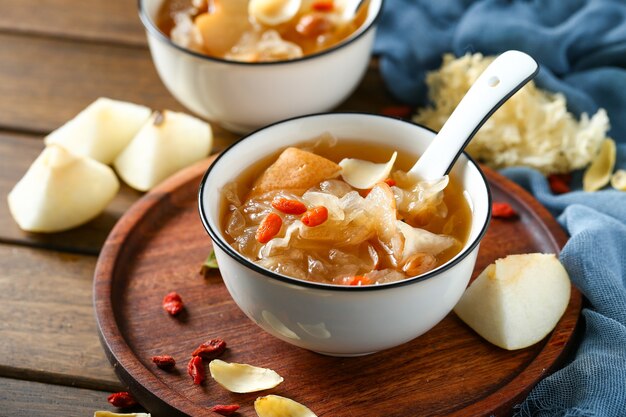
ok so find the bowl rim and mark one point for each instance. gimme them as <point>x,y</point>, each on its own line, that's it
<point>151,27</point>
<point>245,262</point>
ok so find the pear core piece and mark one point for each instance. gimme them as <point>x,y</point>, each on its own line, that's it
<point>167,142</point>
<point>365,174</point>
<point>101,130</point>
<point>517,301</point>
<point>295,171</point>
<point>61,190</point>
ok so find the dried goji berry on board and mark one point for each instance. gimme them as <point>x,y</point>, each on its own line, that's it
<point>503,211</point>
<point>315,216</point>
<point>122,399</point>
<point>173,303</point>
<point>164,361</point>
<point>289,206</point>
<point>559,183</point>
<point>269,227</point>
<point>195,368</point>
<point>211,349</point>
<point>402,112</point>
<point>225,410</point>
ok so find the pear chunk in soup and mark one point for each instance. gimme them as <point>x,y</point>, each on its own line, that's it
<point>60,191</point>
<point>515,302</point>
<point>168,142</point>
<point>101,130</point>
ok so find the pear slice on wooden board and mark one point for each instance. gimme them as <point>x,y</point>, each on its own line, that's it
<point>517,301</point>
<point>101,130</point>
<point>60,191</point>
<point>167,142</point>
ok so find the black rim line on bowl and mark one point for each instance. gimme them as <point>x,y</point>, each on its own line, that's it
<point>215,237</point>
<point>154,30</point>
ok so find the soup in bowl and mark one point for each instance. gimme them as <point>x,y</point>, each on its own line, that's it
<point>245,76</point>
<point>379,267</point>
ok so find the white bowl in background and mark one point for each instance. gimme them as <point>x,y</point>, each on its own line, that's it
<point>244,96</point>
<point>331,319</point>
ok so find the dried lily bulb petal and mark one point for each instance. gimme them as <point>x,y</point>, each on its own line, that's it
<point>241,378</point>
<point>110,414</point>
<point>60,191</point>
<point>618,180</point>
<point>277,406</point>
<point>599,172</point>
<point>101,130</point>
<point>365,174</point>
<point>273,12</point>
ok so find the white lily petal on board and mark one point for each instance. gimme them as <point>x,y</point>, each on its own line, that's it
<point>110,414</point>
<point>277,406</point>
<point>598,174</point>
<point>618,180</point>
<point>168,142</point>
<point>365,174</point>
<point>242,378</point>
<point>273,12</point>
<point>101,130</point>
<point>60,191</point>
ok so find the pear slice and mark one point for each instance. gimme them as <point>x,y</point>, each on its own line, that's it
<point>101,130</point>
<point>365,174</point>
<point>167,142</point>
<point>517,301</point>
<point>273,12</point>
<point>61,190</point>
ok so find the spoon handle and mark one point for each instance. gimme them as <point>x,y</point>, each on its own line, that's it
<point>500,80</point>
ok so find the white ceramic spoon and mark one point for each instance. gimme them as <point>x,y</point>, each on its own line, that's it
<point>506,74</point>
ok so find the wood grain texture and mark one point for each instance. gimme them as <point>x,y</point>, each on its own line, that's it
<point>47,329</point>
<point>34,399</point>
<point>158,247</point>
<point>104,21</point>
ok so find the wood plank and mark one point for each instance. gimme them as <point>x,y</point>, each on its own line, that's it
<point>106,21</point>
<point>47,327</point>
<point>17,152</point>
<point>33,399</point>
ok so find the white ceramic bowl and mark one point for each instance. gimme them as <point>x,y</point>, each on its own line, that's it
<point>245,96</point>
<point>330,319</point>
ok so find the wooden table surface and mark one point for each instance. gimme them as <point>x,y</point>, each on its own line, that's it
<point>56,57</point>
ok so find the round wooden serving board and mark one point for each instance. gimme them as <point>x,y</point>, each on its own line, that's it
<point>158,247</point>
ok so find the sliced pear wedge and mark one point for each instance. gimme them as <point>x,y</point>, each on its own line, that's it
<point>517,301</point>
<point>101,130</point>
<point>598,174</point>
<point>273,12</point>
<point>365,174</point>
<point>61,190</point>
<point>167,142</point>
<point>241,378</point>
<point>277,406</point>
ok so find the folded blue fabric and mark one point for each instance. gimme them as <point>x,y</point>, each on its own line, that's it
<point>581,46</point>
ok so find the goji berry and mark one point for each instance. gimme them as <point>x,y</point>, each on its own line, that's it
<point>502,211</point>
<point>122,399</point>
<point>401,112</point>
<point>225,410</point>
<point>315,216</point>
<point>356,280</point>
<point>269,227</point>
<point>390,182</point>
<point>211,349</point>
<point>559,183</point>
<point>195,368</point>
<point>289,206</point>
<point>323,6</point>
<point>164,361</point>
<point>173,303</point>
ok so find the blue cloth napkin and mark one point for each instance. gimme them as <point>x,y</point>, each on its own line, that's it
<point>581,46</point>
